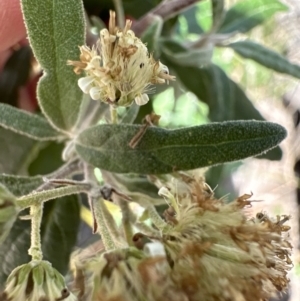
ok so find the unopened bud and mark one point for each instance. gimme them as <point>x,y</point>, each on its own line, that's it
<point>35,281</point>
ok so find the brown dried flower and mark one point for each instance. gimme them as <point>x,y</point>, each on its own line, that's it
<point>119,69</point>
<point>209,250</point>
<point>217,253</point>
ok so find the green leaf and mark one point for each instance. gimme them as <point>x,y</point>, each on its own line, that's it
<point>265,57</point>
<point>218,15</point>
<point>24,123</point>
<point>164,151</point>
<point>16,152</point>
<point>152,34</point>
<point>13,252</point>
<point>245,15</point>
<point>226,100</point>
<point>59,227</point>
<point>56,29</point>
<point>130,114</point>
<point>189,16</point>
<point>19,185</point>
<point>59,231</point>
<point>219,178</point>
<point>42,165</point>
<point>178,54</point>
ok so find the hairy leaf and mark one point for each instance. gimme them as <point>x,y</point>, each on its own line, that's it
<point>42,164</point>
<point>265,57</point>
<point>19,185</point>
<point>163,151</point>
<point>59,231</point>
<point>24,123</point>
<point>14,250</point>
<point>55,30</point>
<point>16,152</point>
<point>245,15</point>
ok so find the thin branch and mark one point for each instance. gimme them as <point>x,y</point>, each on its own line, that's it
<point>66,170</point>
<point>167,9</point>
<point>47,195</point>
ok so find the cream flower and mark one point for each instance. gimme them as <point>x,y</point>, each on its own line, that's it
<point>36,281</point>
<point>120,69</point>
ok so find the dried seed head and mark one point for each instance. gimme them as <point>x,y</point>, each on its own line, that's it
<point>218,253</point>
<point>127,275</point>
<point>119,69</point>
<point>210,250</point>
<point>36,281</point>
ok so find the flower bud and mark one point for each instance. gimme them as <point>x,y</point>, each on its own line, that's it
<point>36,281</point>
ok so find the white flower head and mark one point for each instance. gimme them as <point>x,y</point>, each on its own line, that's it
<point>120,69</point>
<point>36,281</point>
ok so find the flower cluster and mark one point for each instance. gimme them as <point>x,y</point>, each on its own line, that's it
<point>208,250</point>
<point>119,69</point>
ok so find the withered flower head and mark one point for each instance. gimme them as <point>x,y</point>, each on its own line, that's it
<point>208,250</point>
<point>217,253</point>
<point>36,281</point>
<point>127,275</point>
<point>119,69</point>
